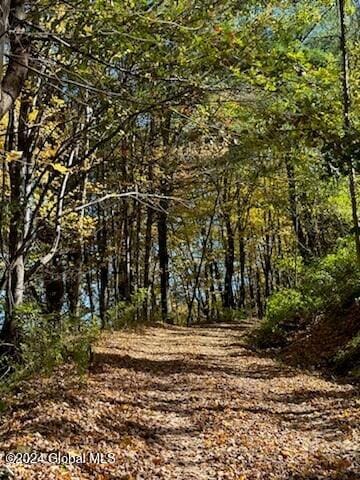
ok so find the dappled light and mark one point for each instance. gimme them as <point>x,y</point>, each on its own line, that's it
<point>179,240</point>
<point>175,403</point>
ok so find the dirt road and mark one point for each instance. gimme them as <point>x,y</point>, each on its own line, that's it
<point>187,404</point>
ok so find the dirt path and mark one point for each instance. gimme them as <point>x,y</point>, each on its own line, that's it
<point>188,404</point>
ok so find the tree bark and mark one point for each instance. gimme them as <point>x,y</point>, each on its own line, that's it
<point>295,218</point>
<point>164,258</point>
<point>229,264</point>
<point>54,286</point>
<point>147,253</point>
<point>15,284</point>
<point>13,14</point>
<point>242,259</point>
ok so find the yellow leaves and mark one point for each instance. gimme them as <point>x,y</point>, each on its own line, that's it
<point>56,101</point>
<point>159,152</point>
<point>58,167</point>
<point>65,475</point>
<point>88,29</point>
<point>347,413</point>
<point>48,153</point>
<point>85,225</point>
<point>48,207</point>
<point>47,156</point>
<point>13,156</point>
<point>88,226</point>
<point>74,452</point>
<point>33,116</point>
<point>93,187</point>
<point>60,27</point>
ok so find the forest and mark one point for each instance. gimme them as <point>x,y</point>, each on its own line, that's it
<point>179,239</point>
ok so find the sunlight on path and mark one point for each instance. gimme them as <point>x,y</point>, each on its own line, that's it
<point>192,404</point>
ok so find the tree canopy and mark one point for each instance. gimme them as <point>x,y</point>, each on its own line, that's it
<point>175,161</point>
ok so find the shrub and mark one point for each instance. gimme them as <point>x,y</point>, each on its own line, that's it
<point>47,341</point>
<point>282,311</point>
<point>328,285</point>
<point>127,314</point>
<point>334,281</point>
<point>232,315</point>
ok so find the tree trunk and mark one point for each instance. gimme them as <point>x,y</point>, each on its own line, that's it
<point>147,253</point>
<point>54,286</point>
<point>242,259</point>
<point>229,264</point>
<point>104,273</point>
<point>16,272</point>
<point>12,16</point>
<point>164,258</point>
<point>73,279</point>
<point>295,218</point>
<point>259,304</point>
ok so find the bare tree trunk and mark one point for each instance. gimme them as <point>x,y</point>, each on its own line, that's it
<point>295,218</point>
<point>54,286</point>
<point>147,253</point>
<point>242,259</point>
<point>214,311</point>
<point>89,284</point>
<point>164,258</point>
<point>251,288</point>
<point>16,272</point>
<point>104,272</point>
<point>203,254</point>
<point>229,264</point>
<point>229,250</point>
<point>267,256</point>
<point>259,303</point>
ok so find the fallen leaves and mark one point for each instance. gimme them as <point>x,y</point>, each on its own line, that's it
<point>187,404</point>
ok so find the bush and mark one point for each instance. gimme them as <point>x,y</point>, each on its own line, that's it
<point>127,314</point>
<point>232,316</point>
<point>285,304</point>
<point>47,341</point>
<point>283,310</point>
<point>328,285</point>
<point>333,282</point>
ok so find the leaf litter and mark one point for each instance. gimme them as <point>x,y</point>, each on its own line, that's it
<point>177,403</point>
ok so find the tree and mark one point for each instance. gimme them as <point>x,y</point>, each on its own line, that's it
<point>12,26</point>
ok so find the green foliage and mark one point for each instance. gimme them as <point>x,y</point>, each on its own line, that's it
<point>333,282</point>
<point>3,406</point>
<point>231,315</point>
<point>283,305</point>
<point>47,341</point>
<point>127,314</point>
<point>283,309</point>
<point>328,285</point>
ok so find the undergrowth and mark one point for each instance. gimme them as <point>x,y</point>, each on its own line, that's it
<point>44,342</point>
<point>348,358</point>
<point>328,287</point>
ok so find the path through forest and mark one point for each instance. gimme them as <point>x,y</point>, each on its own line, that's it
<point>188,404</point>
